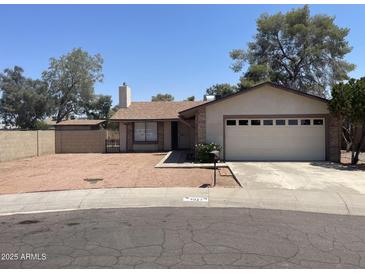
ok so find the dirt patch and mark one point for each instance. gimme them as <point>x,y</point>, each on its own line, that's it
<point>69,171</point>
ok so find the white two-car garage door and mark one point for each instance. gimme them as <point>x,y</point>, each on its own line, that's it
<point>275,139</point>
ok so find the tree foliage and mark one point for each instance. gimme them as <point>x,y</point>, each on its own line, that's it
<point>162,97</point>
<point>190,98</point>
<point>71,80</point>
<point>23,101</point>
<point>221,89</point>
<point>99,107</point>
<point>297,50</point>
<point>348,102</point>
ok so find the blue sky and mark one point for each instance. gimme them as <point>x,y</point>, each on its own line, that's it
<point>177,49</point>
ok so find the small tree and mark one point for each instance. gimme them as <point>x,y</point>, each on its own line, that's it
<point>190,98</point>
<point>221,89</point>
<point>71,80</point>
<point>162,97</point>
<point>348,102</point>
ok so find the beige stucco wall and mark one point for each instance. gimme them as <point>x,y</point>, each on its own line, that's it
<point>16,144</point>
<point>80,141</point>
<point>265,100</point>
<point>145,147</point>
<point>185,136</point>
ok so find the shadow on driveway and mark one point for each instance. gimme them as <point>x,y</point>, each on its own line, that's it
<point>342,167</point>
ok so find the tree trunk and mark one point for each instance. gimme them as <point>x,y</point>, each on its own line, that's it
<point>348,146</point>
<point>359,146</point>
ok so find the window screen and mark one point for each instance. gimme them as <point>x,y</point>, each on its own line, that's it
<point>305,122</point>
<point>151,131</point>
<point>293,122</point>
<point>280,122</point>
<point>318,122</point>
<point>255,122</point>
<point>231,122</point>
<point>268,122</point>
<point>243,122</point>
<point>139,132</point>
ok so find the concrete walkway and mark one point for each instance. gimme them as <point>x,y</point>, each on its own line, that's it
<point>298,200</point>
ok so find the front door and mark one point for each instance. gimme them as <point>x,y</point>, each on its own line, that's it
<point>174,135</point>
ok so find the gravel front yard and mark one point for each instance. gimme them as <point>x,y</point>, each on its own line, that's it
<point>83,171</point>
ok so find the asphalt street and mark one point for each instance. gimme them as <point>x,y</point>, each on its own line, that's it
<point>182,238</point>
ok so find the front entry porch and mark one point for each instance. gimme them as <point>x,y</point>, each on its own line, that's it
<point>152,135</point>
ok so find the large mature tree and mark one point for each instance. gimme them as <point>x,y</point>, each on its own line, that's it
<point>24,102</point>
<point>71,80</point>
<point>99,107</point>
<point>221,89</point>
<point>348,102</point>
<point>162,97</point>
<point>297,50</point>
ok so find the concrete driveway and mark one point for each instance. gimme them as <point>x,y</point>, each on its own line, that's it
<point>317,176</point>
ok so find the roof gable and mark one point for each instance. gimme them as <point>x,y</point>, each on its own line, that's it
<point>293,91</point>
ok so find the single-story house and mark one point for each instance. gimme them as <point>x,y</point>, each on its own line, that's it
<point>267,122</point>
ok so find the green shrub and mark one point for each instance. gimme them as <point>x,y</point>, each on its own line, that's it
<point>203,152</point>
<point>41,125</point>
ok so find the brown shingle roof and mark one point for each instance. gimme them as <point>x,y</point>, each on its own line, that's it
<point>79,122</point>
<point>154,110</point>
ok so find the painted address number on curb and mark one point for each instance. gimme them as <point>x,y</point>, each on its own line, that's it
<point>195,199</point>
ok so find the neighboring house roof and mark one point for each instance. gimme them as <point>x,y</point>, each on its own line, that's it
<point>298,92</point>
<point>75,122</point>
<point>160,110</point>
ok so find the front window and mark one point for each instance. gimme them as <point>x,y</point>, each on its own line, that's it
<point>145,131</point>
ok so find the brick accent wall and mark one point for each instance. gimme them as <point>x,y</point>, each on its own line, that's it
<point>333,139</point>
<point>160,136</point>
<point>129,137</point>
<point>200,126</point>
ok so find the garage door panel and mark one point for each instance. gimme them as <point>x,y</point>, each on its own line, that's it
<point>279,143</point>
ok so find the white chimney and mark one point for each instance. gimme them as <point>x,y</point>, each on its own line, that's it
<point>125,95</point>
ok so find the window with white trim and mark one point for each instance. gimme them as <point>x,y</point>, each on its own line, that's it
<point>318,122</point>
<point>231,122</point>
<point>268,122</point>
<point>145,131</point>
<point>255,122</point>
<point>305,122</point>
